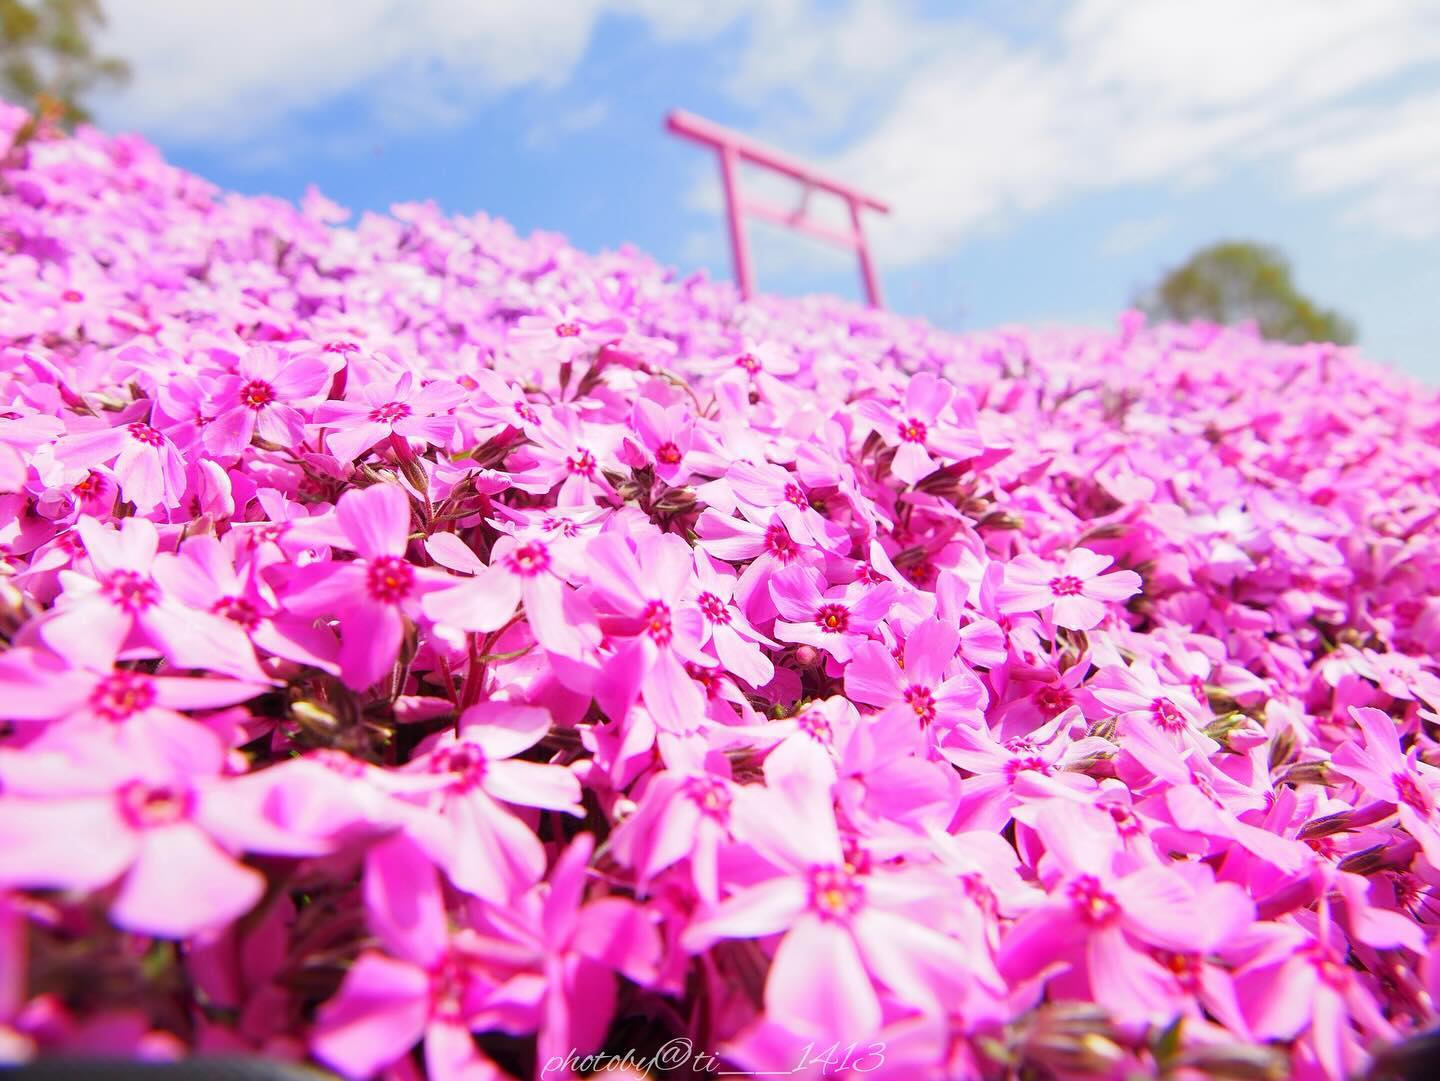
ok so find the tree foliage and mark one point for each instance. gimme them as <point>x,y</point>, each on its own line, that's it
<point>48,59</point>
<point>1233,281</point>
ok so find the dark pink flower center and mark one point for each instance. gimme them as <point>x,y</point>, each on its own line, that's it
<point>527,413</point>
<point>130,591</point>
<point>710,795</point>
<point>1413,794</point>
<point>979,891</point>
<point>341,347</point>
<point>814,724</point>
<point>833,618</point>
<point>389,579</point>
<point>1093,905</point>
<point>146,806</point>
<point>1186,968</point>
<point>556,522</point>
<point>567,330</point>
<point>713,608</point>
<point>835,894</point>
<point>1029,763</point>
<point>668,454</point>
<point>1202,782</point>
<point>450,985</point>
<point>582,462</point>
<point>90,485</point>
<point>1066,585</point>
<point>1166,714</point>
<point>529,559</point>
<point>237,610</point>
<point>795,496</point>
<point>1053,700</point>
<point>143,433</point>
<point>1329,966</point>
<point>121,695</point>
<point>921,701</point>
<point>780,544</point>
<point>389,413</point>
<point>913,430</point>
<point>465,761</point>
<point>656,618</point>
<point>72,296</point>
<point>748,362</point>
<point>256,394</point>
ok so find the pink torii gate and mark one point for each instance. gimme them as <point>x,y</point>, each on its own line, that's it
<point>732,148</point>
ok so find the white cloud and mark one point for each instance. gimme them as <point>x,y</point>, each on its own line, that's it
<point>964,124</point>
<point>1388,158</point>
<point>230,71</point>
<point>553,131</point>
<point>1135,235</point>
<point>1127,94</point>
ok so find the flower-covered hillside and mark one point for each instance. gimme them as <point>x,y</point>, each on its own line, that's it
<point>435,652</point>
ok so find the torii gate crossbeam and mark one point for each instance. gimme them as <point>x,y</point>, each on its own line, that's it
<point>732,148</point>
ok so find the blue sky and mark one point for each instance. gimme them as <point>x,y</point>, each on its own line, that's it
<point>1045,159</point>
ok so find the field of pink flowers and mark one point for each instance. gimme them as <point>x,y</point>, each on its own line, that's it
<point>432,652</point>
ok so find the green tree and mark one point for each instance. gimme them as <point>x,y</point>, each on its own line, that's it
<point>1234,281</point>
<point>48,60</point>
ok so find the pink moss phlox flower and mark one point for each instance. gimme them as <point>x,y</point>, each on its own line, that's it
<point>918,427</point>
<point>529,568</point>
<point>1382,771</point>
<point>641,591</point>
<point>167,838</point>
<point>837,620</point>
<point>388,408</point>
<point>932,686</point>
<point>148,466</point>
<point>372,596</point>
<point>488,850</point>
<point>1075,592</point>
<point>1106,914</point>
<point>124,609</point>
<point>425,984</point>
<point>139,717</point>
<point>267,397</point>
<point>842,932</point>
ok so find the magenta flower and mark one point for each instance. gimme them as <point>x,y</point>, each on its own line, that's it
<point>652,630</point>
<point>370,597</point>
<point>488,851</point>
<point>264,397</point>
<point>202,576</point>
<point>557,334</point>
<point>148,467</point>
<point>1075,593</point>
<point>666,434</point>
<point>735,641</point>
<point>1383,772</point>
<point>680,817</point>
<point>136,716</point>
<point>571,454</point>
<point>922,687</point>
<point>123,608</point>
<point>837,620</point>
<point>167,839</point>
<point>842,933</point>
<point>529,568</point>
<point>386,409</point>
<point>1150,711</point>
<point>425,985</point>
<point>1102,918</point>
<point>919,429</point>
